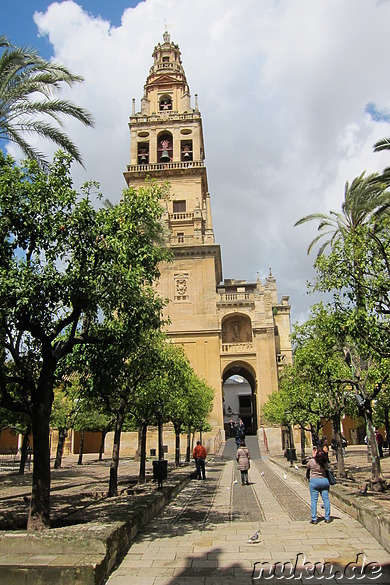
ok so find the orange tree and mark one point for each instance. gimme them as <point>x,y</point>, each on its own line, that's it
<point>67,268</point>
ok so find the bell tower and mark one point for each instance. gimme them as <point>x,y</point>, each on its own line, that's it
<point>167,143</point>
<point>226,328</point>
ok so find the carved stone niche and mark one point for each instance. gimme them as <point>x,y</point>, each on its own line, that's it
<point>181,286</point>
<point>236,329</point>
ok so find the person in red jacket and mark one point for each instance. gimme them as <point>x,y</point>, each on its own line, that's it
<point>199,454</point>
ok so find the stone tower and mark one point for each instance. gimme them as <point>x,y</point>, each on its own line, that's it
<point>226,328</point>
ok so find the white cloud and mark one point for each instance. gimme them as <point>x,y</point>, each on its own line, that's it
<point>282,88</point>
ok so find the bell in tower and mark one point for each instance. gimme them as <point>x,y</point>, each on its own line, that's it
<point>165,150</point>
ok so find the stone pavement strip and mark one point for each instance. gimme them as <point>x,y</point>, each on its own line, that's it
<point>201,537</point>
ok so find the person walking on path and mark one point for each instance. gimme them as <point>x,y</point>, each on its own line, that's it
<point>318,483</point>
<point>243,460</point>
<point>199,454</point>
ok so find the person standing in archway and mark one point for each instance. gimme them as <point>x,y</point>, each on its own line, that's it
<point>240,436</point>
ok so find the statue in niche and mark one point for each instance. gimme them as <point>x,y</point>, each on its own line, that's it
<point>236,330</point>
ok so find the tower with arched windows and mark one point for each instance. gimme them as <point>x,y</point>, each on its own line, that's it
<point>229,327</point>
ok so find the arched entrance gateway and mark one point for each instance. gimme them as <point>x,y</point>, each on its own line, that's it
<point>230,329</point>
<point>239,397</point>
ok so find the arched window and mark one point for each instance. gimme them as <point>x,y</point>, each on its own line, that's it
<point>165,103</point>
<point>143,153</point>
<point>186,150</point>
<point>165,148</point>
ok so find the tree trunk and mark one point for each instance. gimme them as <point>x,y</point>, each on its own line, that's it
<point>137,455</point>
<point>336,429</point>
<point>387,427</point>
<point>42,397</point>
<point>177,446</point>
<point>113,487</point>
<point>142,462</point>
<point>373,451</point>
<point>24,449</point>
<point>62,434</point>
<point>101,448</point>
<point>303,445</point>
<point>314,435</point>
<point>188,450</point>
<point>81,448</point>
<point>160,439</point>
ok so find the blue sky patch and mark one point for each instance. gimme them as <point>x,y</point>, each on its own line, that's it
<point>376,114</point>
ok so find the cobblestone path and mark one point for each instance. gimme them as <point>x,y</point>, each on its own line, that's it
<point>201,537</point>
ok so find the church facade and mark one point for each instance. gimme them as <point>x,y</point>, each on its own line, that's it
<point>227,327</point>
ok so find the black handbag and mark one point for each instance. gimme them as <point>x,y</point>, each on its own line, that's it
<point>331,477</point>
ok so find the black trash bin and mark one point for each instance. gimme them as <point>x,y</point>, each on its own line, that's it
<point>291,455</point>
<point>160,471</point>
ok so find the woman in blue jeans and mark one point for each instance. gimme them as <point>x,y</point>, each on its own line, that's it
<point>319,483</point>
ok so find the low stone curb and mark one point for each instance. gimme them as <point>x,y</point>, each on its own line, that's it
<point>370,515</point>
<point>85,552</point>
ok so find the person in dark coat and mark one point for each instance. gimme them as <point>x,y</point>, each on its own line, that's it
<point>239,436</point>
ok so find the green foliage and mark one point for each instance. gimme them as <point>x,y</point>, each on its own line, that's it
<point>70,273</point>
<point>15,421</point>
<point>28,88</point>
<point>365,199</point>
<point>64,410</point>
<point>67,267</point>
<point>190,399</point>
<point>312,388</point>
<point>356,272</point>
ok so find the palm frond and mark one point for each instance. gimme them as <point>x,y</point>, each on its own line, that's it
<point>316,239</point>
<point>311,217</point>
<point>23,75</point>
<point>383,144</point>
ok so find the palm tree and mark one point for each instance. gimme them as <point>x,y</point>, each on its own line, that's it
<point>364,200</point>
<point>383,144</point>
<point>28,86</point>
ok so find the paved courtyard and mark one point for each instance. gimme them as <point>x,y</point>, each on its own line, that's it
<point>201,537</point>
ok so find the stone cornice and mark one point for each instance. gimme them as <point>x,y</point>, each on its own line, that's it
<point>201,251</point>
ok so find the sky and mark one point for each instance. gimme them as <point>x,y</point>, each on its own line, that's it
<point>293,95</point>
